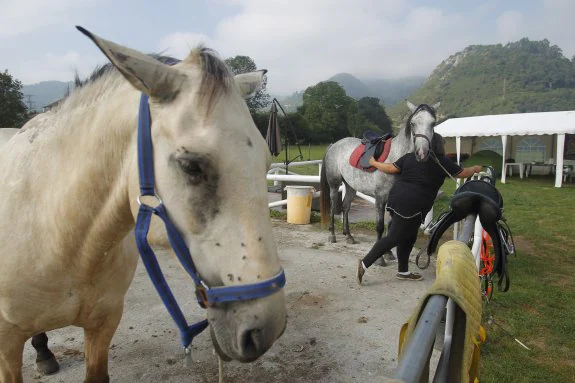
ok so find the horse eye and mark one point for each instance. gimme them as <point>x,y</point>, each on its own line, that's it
<point>193,169</point>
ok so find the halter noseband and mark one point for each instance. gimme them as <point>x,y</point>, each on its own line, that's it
<point>206,296</point>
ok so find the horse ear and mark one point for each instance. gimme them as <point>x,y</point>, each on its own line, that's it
<point>250,83</point>
<point>145,73</point>
<point>411,106</point>
<point>435,106</point>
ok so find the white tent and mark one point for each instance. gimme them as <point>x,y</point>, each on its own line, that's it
<point>521,124</point>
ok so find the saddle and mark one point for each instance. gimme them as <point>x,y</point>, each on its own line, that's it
<point>483,199</point>
<point>372,145</point>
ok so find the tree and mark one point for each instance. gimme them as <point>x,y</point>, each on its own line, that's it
<point>13,112</point>
<point>327,109</point>
<point>244,64</point>
<point>373,112</point>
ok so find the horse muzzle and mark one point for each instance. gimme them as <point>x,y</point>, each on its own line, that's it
<point>244,331</point>
<point>422,154</point>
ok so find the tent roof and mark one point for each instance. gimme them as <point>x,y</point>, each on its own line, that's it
<point>519,124</point>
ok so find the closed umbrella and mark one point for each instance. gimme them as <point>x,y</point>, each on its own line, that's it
<point>273,136</point>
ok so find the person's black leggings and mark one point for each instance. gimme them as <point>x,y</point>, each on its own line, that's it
<point>403,234</point>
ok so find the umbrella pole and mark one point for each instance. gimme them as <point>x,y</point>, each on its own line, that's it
<point>286,146</point>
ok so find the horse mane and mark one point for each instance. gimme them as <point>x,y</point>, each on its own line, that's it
<point>421,107</point>
<point>216,76</point>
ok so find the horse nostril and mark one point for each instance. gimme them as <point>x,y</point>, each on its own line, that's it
<point>251,342</point>
<point>421,153</point>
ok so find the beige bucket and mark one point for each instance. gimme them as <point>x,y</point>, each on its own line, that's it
<point>299,204</point>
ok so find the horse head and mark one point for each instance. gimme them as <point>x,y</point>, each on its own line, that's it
<point>419,128</point>
<point>210,163</point>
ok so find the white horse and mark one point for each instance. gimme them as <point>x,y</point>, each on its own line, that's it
<point>68,201</point>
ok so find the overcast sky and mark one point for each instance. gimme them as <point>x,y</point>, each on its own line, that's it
<point>300,42</point>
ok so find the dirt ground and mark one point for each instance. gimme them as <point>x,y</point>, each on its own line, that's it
<point>337,331</point>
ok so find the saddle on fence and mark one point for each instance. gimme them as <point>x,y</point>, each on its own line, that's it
<point>372,145</point>
<point>483,199</point>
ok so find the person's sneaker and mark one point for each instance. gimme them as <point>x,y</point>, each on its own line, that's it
<point>409,277</point>
<point>360,271</point>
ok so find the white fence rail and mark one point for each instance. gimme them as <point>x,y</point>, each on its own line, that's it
<point>277,168</point>
<point>274,175</point>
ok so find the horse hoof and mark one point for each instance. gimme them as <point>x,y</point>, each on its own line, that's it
<point>331,239</point>
<point>350,240</point>
<point>389,256</point>
<point>48,366</point>
<point>380,262</point>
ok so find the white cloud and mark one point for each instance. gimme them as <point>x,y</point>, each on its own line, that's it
<point>302,42</point>
<point>22,16</point>
<point>179,44</point>
<point>58,67</point>
<point>510,26</point>
<point>556,24</point>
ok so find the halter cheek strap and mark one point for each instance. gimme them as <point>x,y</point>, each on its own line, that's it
<point>205,295</point>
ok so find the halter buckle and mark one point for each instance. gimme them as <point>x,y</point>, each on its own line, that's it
<point>154,198</point>
<point>202,295</point>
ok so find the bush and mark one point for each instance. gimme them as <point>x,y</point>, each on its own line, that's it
<point>486,157</point>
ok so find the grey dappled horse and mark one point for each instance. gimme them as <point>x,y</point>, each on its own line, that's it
<point>415,135</point>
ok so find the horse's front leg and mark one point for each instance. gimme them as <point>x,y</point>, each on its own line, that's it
<point>46,362</point>
<point>380,215</point>
<point>11,348</point>
<point>380,226</point>
<point>333,195</point>
<point>97,338</point>
<point>349,196</point>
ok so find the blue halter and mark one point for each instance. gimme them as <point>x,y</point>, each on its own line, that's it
<point>205,295</point>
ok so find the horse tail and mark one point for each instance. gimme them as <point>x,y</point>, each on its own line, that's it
<point>325,200</point>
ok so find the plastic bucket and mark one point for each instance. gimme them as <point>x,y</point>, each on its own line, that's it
<point>299,204</point>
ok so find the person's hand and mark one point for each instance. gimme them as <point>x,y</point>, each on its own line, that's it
<point>478,168</point>
<point>372,161</point>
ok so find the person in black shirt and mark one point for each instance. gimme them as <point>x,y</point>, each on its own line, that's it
<point>410,199</point>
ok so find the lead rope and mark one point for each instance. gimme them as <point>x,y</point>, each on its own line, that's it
<point>441,166</point>
<point>424,249</point>
<point>220,370</point>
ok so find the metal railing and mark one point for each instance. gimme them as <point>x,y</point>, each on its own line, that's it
<point>415,360</point>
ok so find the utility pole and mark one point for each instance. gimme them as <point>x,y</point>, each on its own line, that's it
<point>504,86</point>
<point>30,102</point>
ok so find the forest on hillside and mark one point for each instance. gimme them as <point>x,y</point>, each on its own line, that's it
<point>519,77</point>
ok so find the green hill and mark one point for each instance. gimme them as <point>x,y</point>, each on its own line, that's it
<point>354,87</point>
<point>45,92</point>
<point>389,91</point>
<point>519,77</point>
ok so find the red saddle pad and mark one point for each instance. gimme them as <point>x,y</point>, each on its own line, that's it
<point>357,153</point>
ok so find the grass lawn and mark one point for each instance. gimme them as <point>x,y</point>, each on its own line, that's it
<point>539,308</point>
<point>313,152</point>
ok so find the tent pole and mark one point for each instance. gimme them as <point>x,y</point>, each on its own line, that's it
<point>503,167</point>
<point>458,151</point>
<point>559,164</point>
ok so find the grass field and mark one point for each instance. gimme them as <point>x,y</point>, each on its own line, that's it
<point>308,152</point>
<point>539,308</point>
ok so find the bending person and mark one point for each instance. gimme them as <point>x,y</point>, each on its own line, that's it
<point>410,199</point>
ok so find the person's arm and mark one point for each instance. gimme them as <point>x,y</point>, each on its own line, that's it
<point>468,172</point>
<point>384,167</point>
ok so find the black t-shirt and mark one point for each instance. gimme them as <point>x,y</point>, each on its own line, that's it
<point>417,184</point>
